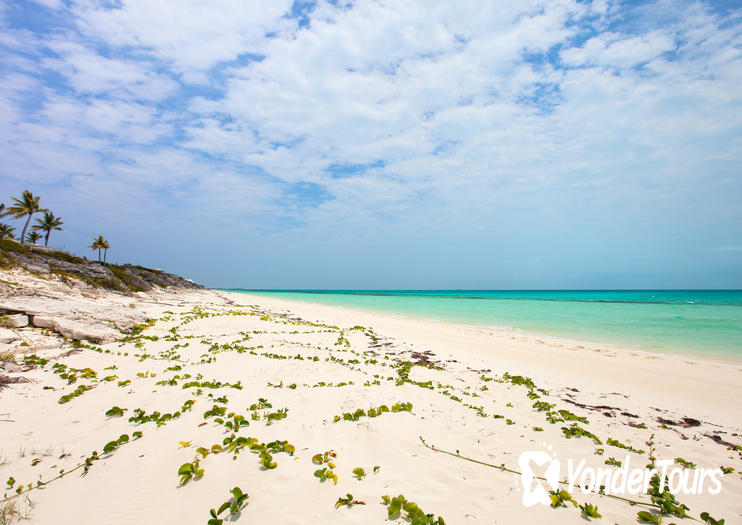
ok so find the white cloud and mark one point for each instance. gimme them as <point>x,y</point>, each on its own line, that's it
<point>193,35</point>
<point>619,51</point>
<point>91,73</point>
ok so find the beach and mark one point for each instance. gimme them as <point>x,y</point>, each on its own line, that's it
<point>310,380</point>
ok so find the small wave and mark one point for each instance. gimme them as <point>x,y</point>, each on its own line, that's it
<point>506,298</point>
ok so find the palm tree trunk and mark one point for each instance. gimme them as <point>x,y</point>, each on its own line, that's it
<point>23,235</point>
<point>46,240</point>
<point>98,254</point>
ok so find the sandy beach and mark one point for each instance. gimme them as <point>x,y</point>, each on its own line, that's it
<point>309,381</point>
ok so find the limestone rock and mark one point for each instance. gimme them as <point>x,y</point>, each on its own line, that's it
<point>12,368</point>
<point>7,336</point>
<point>10,380</point>
<point>16,321</point>
<point>78,330</point>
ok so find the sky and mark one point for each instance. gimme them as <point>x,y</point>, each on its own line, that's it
<point>384,144</point>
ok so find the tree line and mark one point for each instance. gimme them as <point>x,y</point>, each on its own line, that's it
<point>26,207</point>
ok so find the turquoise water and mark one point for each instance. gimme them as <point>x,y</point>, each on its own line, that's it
<point>697,321</point>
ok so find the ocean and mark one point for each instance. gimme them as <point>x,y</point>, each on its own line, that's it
<point>690,321</point>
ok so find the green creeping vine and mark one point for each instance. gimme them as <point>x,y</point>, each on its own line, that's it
<point>558,416</point>
<point>113,445</point>
<point>34,360</point>
<point>664,501</point>
<point>653,504</point>
<point>403,371</point>
<point>212,384</point>
<point>80,390</point>
<point>348,501</point>
<point>115,412</point>
<point>414,514</point>
<point>71,374</point>
<point>140,416</point>
<point>560,498</point>
<point>709,520</point>
<point>235,504</point>
<point>188,471</point>
<point>589,511</point>
<point>684,463</point>
<point>110,447</point>
<point>327,472</point>
<point>618,444</point>
<point>236,444</point>
<point>373,412</point>
<point>576,430</point>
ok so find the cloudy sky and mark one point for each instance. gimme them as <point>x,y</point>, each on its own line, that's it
<point>384,144</point>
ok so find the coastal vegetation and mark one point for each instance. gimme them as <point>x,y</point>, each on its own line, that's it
<point>48,224</point>
<point>24,208</point>
<point>63,266</point>
<point>33,237</point>
<point>99,243</point>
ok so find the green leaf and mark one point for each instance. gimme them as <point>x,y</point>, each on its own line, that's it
<point>395,506</point>
<point>648,517</point>
<point>359,473</point>
<point>115,412</point>
<point>411,507</point>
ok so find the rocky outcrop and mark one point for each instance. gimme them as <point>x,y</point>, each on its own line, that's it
<point>98,316</point>
<point>78,329</point>
<point>8,336</point>
<point>123,278</point>
<point>15,321</point>
<point>76,298</point>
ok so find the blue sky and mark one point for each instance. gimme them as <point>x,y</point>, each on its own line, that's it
<point>375,144</point>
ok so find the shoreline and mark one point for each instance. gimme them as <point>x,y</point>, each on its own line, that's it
<point>680,353</point>
<point>679,382</point>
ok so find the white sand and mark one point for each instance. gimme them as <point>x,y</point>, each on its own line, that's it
<point>138,482</point>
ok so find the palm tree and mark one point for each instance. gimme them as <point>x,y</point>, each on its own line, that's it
<point>99,243</point>
<point>26,205</point>
<point>48,224</point>
<point>33,236</point>
<point>6,231</point>
<point>3,211</point>
<point>106,245</point>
